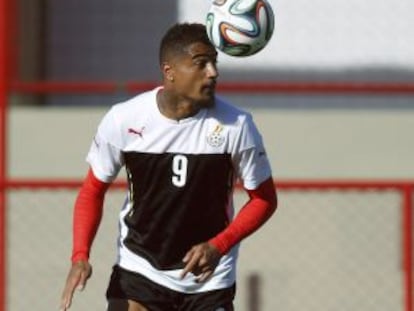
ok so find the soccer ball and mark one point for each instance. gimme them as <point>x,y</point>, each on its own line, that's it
<point>240,27</point>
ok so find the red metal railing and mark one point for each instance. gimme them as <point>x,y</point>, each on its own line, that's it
<point>60,87</point>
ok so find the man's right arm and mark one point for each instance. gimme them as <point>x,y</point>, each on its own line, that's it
<point>86,219</point>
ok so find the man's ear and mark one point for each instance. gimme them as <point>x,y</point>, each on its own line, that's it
<point>167,71</point>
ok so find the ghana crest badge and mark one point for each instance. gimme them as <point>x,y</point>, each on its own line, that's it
<point>216,138</point>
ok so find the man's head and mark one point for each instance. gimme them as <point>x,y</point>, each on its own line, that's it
<point>188,63</point>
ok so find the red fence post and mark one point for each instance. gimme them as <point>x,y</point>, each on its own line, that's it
<point>408,245</point>
<point>3,101</point>
<point>4,75</point>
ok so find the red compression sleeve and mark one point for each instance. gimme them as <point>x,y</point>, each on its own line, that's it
<point>87,215</point>
<point>255,212</point>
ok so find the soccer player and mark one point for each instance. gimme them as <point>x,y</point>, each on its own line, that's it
<point>183,149</point>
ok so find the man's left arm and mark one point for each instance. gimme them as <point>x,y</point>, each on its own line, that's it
<point>203,258</point>
<point>261,205</point>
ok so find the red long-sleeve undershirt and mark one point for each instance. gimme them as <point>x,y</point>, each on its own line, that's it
<point>253,215</point>
<point>87,215</point>
<point>89,208</point>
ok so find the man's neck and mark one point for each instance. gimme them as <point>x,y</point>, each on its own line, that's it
<point>175,108</point>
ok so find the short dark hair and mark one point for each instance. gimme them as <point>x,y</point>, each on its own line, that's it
<point>179,37</point>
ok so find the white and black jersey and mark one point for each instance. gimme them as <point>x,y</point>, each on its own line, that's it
<point>181,176</point>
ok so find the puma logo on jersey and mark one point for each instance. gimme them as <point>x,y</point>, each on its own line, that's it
<point>136,132</point>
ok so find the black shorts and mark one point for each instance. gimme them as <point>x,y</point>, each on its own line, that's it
<point>129,285</point>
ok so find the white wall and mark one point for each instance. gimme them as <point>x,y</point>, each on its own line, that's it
<point>313,143</point>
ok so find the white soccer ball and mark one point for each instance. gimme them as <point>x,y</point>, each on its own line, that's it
<point>240,27</point>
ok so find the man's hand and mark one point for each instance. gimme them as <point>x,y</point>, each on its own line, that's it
<point>79,273</point>
<point>202,259</point>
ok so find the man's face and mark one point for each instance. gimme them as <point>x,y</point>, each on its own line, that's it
<point>195,73</point>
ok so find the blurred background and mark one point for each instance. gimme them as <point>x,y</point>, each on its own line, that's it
<point>332,94</point>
